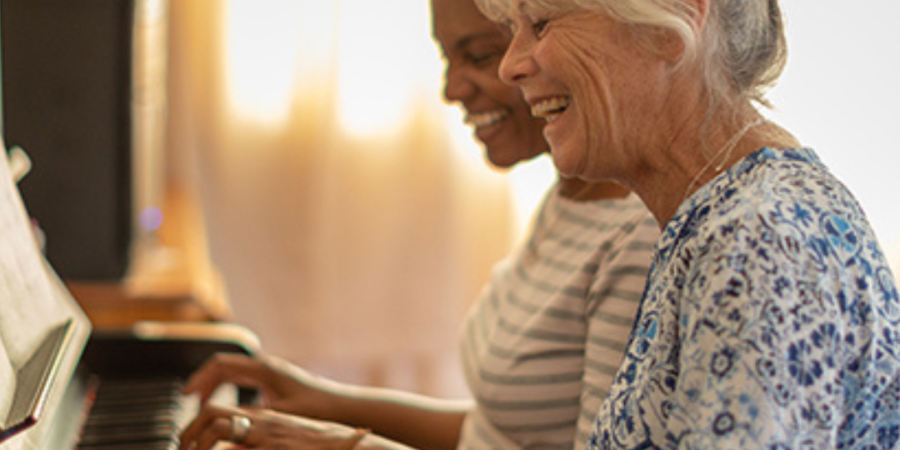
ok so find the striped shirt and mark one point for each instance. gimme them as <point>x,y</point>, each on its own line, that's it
<point>542,344</point>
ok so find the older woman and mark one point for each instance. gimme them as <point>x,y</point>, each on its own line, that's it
<point>541,345</point>
<point>770,318</point>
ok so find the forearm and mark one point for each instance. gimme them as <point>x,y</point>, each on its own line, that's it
<point>375,442</point>
<point>416,421</point>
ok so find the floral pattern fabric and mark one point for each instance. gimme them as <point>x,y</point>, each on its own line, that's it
<point>769,321</point>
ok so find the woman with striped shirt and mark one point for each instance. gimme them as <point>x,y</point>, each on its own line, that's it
<point>540,346</point>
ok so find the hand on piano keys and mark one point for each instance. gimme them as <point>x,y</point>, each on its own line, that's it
<point>128,391</point>
<point>283,417</point>
<point>288,395</point>
<point>280,385</point>
<point>267,429</point>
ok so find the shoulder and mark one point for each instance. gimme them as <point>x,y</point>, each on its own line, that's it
<point>625,218</point>
<point>787,222</point>
<point>625,236</point>
<point>787,190</point>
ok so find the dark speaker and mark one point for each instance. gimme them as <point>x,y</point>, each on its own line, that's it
<point>67,101</point>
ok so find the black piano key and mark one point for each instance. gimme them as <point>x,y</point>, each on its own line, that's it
<point>112,416</point>
<point>171,445</point>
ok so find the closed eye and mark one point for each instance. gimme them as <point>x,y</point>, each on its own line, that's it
<point>484,58</point>
<point>539,27</point>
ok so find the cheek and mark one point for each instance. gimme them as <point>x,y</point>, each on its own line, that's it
<point>591,85</point>
<point>529,129</point>
<point>534,136</point>
<point>489,82</point>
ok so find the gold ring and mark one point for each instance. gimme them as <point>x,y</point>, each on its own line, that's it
<point>240,428</point>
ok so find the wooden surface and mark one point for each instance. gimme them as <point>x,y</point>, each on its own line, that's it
<point>170,277</point>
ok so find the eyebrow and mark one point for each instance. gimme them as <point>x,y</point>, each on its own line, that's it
<point>522,8</point>
<point>521,11</point>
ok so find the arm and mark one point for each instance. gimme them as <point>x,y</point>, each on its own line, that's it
<point>789,331</point>
<point>752,342</point>
<point>415,420</point>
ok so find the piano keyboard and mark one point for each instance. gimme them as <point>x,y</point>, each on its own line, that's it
<point>136,414</point>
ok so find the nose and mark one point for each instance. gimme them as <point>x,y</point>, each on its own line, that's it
<point>517,64</point>
<point>456,85</point>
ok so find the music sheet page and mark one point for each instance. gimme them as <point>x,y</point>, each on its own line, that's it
<point>7,383</point>
<point>29,304</point>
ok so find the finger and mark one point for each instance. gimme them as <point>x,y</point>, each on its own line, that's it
<point>223,430</point>
<point>223,368</point>
<point>211,373</point>
<point>218,430</point>
<point>206,420</point>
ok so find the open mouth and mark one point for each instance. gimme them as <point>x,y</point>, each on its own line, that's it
<point>485,119</point>
<point>551,108</point>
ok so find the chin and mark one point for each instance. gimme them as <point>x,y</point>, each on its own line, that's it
<point>567,165</point>
<point>505,159</point>
<point>503,163</point>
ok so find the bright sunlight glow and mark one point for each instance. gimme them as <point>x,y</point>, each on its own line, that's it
<point>262,42</point>
<point>385,57</point>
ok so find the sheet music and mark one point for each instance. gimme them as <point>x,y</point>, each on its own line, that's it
<point>7,383</point>
<point>32,302</point>
<point>23,275</point>
<point>12,243</point>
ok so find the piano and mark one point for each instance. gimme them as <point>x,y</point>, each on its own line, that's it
<point>65,385</point>
<point>124,392</point>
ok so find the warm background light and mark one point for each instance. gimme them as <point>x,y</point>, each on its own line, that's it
<point>385,62</point>
<point>262,42</point>
<point>351,232</point>
<point>383,59</point>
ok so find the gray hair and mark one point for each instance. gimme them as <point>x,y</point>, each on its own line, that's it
<point>742,48</point>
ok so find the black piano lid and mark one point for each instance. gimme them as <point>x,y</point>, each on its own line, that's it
<point>164,348</point>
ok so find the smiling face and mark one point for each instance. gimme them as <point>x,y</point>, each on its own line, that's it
<point>600,91</point>
<point>473,47</point>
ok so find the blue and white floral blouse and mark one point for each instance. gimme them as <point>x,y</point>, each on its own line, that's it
<point>770,321</point>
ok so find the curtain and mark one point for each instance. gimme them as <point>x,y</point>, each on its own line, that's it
<point>351,224</point>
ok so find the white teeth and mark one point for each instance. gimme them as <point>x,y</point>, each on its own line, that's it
<point>551,108</point>
<point>486,119</point>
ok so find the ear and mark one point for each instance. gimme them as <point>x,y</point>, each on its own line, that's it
<point>697,14</point>
<point>699,11</point>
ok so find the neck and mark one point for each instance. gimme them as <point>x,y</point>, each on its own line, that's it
<point>702,151</point>
<point>577,189</point>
